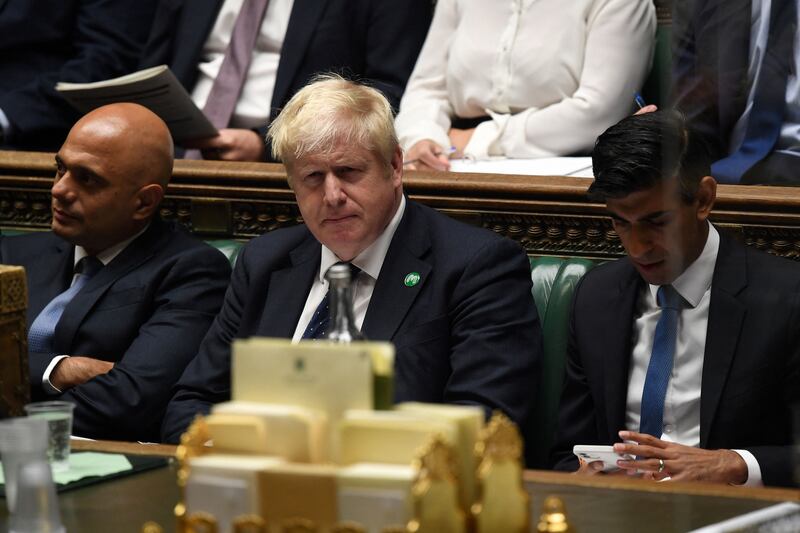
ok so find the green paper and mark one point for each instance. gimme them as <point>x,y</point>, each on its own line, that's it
<point>89,464</point>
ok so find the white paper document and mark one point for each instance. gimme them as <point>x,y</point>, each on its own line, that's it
<point>545,166</point>
<point>155,88</point>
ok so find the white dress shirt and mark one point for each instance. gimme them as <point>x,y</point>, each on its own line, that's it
<point>681,422</point>
<point>552,74</point>
<point>253,108</point>
<point>105,257</point>
<point>789,140</point>
<point>369,261</point>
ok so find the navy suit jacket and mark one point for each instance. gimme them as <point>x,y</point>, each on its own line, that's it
<point>375,41</point>
<point>146,311</point>
<point>710,60</point>
<point>467,333</point>
<point>751,366</point>
<point>47,41</point>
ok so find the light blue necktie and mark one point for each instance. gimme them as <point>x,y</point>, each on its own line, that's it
<point>660,366</point>
<point>40,335</point>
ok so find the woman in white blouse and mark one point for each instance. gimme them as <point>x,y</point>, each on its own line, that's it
<point>523,78</point>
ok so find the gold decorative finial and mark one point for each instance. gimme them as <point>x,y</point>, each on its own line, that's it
<point>298,525</point>
<point>193,444</point>
<point>500,439</point>
<point>152,527</point>
<point>201,522</point>
<point>348,527</point>
<point>435,491</point>
<point>502,503</point>
<point>553,518</point>
<point>250,523</point>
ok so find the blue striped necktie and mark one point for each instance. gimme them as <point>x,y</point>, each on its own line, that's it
<point>660,367</point>
<point>40,335</point>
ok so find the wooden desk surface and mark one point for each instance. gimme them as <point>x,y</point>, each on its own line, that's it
<point>593,504</point>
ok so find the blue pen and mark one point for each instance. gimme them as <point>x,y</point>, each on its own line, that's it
<point>639,100</point>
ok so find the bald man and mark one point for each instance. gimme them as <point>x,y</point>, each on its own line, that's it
<point>119,300</point>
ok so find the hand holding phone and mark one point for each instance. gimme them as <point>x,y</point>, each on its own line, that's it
<point>606,454</point>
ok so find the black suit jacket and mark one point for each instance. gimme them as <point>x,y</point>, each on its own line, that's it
<point>467,333</point>
<point>751,365</point>
<point>47,41</point>
<point>711,43</point>
<point>710,58</point>
<point>146,311</point>
<point>376,41</point>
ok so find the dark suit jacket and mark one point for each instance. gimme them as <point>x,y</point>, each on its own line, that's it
<point>47,41</point>
<point>751,368</point>
<point>146,311</point>
<point>467,333</point>
<point>710,59</point>
<point>376,41</point>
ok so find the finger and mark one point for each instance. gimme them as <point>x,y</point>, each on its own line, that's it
<point>642,438</point>
<point>410,166</point>
<point>645,465</point>
<point>430,159</point>
<point>647,109</point>
<point>642,451</point>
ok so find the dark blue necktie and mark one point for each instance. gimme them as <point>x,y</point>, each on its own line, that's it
<point>769,98</point>
<point>660,366</point>
<point>40,335</point>
<point>318,324</point>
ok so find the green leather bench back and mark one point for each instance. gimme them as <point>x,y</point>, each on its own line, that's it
<point>554,282</point>
<point>229,247</point>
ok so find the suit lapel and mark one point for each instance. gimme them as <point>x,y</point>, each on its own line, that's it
<point>302,24</point>
<point>285,299</point>
<point>392,298</point>
<point>46,282</point>
<point>725,317</point>
<point>733,41</point>
<point>617,331</point>
<point>137,252</point>
<point>196,22</point>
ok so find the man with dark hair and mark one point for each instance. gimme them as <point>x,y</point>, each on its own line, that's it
<point>696,369</point>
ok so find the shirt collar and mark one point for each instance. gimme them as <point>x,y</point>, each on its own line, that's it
<point>370,260</point>
<point>107,255</point>
<point>693,283</point>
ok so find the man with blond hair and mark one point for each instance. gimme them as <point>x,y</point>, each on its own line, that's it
<point>455,300</point>
<point>119,299</point>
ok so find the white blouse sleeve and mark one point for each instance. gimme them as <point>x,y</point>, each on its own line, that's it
<point>425,109</point>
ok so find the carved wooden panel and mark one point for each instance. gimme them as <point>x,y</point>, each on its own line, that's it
<point>14,389</point>
<point>547,215</point>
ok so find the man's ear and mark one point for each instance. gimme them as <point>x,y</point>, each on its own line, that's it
<point>397,166</point>
<point>706,196</point>
<point>147,201</point>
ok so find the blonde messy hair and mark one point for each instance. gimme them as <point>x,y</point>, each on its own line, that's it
<point>332,110</point>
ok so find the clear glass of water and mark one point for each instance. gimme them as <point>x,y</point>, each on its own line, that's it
<point>59,424</point>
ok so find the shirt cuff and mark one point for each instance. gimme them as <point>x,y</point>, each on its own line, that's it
<point>753,469</point>
<point>485,140</point>
<point>5,125</point>
<point>48,387</point>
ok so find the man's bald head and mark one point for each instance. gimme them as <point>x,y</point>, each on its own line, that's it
<point>137,137</point>
<point>112,173</point>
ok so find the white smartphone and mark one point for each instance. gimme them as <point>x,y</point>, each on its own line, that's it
<point>606,454</point>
